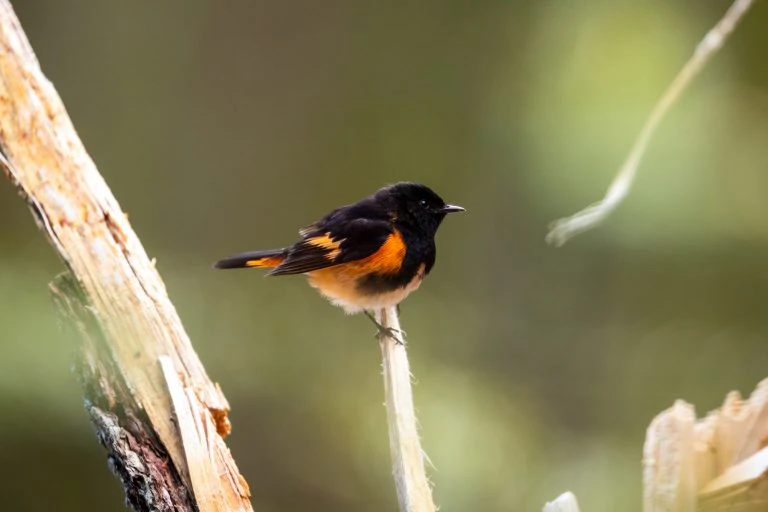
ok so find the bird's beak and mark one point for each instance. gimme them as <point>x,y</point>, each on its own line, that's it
<point>452,208</point>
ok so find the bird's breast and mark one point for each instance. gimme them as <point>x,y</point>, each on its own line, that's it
<point>352,288</point>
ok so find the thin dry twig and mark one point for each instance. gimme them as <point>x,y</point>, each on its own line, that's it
<point>414,492</point>
<point>564,229</point>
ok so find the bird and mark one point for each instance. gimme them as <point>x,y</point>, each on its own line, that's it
<point>363,256</point>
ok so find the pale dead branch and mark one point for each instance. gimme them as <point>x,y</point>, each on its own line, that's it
<point>118,303</point>
<point>413,489</point>
<point>564,229</point>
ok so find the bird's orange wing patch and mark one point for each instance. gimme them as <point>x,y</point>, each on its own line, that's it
<point>267,262</point>
<point>326,242</point>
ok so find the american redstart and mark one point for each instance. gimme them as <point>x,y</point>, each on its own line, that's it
<point>363,256</point>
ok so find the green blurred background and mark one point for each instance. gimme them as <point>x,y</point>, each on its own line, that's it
<point>225,126</point>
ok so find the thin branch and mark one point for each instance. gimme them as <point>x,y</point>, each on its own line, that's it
<point>564,229</point>
<point>413,489</point>
<point>74,207</point>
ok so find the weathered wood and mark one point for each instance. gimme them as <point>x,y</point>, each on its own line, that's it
<point>135,454</point>
<point>414,492</point>
<point>669,481</point>
<point>75,208</point>
<point>719,463</point>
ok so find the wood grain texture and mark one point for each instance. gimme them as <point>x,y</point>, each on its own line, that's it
<point>414,492</point>
<point>669,483</point>
<point>718,463</point>
<point>134,452</point>
<point>76,209</point>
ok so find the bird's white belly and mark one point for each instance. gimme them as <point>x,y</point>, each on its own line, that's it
<point>341,290</point>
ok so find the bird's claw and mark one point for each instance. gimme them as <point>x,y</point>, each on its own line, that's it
<point>389,332</point>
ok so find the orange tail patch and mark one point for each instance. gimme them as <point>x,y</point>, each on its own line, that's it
<point>267,262</point>
<point>254,259</point>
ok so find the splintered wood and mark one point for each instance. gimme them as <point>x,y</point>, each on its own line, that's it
<point>719,463</point>
<point>137,324</point>
<point>203,448</point>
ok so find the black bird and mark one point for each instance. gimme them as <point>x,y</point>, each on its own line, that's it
<point>364,256</point>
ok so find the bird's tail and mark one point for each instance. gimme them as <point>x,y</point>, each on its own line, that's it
<point>253,259</point>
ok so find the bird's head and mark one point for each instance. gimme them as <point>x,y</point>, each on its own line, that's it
<point>416,205</point>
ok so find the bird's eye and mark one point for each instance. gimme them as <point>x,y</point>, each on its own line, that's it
<point>423,203</point>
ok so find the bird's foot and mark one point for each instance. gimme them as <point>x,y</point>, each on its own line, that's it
<point>397,335</point>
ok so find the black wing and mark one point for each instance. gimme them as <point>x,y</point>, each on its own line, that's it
<point>332,241</point>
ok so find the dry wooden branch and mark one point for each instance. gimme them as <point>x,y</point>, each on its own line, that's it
<point>120,286</point>
<point>564,229</point>
<point>135,454</point>
<point>413,490</point>
<point>669,482</point>
<point>717,463</point>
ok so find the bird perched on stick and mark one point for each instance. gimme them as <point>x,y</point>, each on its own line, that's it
<point>363,256</point>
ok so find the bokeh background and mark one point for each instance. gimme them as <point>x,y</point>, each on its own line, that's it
<point>225,126</point>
